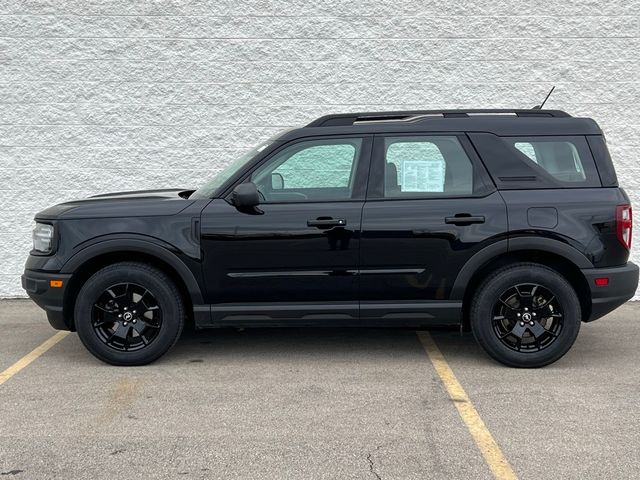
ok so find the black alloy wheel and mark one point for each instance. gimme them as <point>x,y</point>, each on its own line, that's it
<point>527,317</point>
<point>126,317</point>
<point>129,313</point>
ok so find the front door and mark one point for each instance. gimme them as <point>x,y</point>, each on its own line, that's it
<point>296,256</point>
<point>430,207</point>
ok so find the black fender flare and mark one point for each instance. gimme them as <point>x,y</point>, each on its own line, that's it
<point>141,246</point>
<point>501,247</point>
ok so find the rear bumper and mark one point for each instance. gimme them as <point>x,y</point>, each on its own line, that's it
<point>51,299</point>
<point>623,282</point>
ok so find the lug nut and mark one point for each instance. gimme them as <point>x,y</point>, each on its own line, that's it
<point>518,314</point>
<point>525,309</point>
<point>134,321</point>
<point>126,308</point>
<point>119,315</point>
<point>125,324</point>
<point>534,314</point>
<point>531,323</point>
<point>134,311</point>
<point>521,324</point>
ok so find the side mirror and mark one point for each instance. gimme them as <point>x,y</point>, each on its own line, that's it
<point>277,181</point>
<point>245,196</point>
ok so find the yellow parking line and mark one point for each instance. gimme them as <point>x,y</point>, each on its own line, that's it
<point>30,357</point>
<point>484,440</point>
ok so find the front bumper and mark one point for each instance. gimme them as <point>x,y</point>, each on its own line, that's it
<point>623,282</point>
<point>51,299</point>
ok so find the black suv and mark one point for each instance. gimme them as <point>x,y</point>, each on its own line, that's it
<point>508,222</point>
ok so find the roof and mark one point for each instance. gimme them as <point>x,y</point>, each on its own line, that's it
<point>342,119</point>
<point>499,122</point>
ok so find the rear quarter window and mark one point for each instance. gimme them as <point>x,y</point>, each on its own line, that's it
<point>560,157</point>
<point>537,162</point>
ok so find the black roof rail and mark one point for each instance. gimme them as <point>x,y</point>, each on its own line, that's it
<point>342,119</point>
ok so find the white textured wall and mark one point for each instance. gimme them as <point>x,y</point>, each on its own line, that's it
<point>104,95</point>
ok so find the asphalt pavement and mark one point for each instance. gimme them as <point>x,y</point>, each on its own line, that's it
<point>315,403</point>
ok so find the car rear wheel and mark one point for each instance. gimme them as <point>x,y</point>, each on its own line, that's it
<point>129,313</point>
<point>525,315</point>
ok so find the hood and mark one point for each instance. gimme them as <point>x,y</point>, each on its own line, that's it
<point>142,203</point>
<point>162,193</point>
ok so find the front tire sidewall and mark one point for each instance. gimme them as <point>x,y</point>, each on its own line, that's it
<point>158,285</point>
<point>495,286</point>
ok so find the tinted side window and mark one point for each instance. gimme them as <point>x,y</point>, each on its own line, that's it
<point>319,166</point>
<point>558,156</point>
<point>315,170</point>
<point>537,162</point>
<point>426,165</point>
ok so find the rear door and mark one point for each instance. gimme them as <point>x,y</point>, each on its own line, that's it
<point>430,206</point>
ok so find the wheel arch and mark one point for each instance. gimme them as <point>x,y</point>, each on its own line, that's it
<point>93,258</point>
<point>558,256</point>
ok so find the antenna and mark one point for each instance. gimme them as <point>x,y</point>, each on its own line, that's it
<point>539,107</point>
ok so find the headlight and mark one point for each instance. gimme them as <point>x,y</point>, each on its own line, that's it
<point>43,238</point>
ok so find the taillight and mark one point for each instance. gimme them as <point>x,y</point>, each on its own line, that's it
<point>624,224</point>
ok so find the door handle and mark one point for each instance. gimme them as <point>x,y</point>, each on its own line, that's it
<point>464,219</point>
<point>324,222</point>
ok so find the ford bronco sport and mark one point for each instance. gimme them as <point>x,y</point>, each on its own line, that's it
<point>507,222</point>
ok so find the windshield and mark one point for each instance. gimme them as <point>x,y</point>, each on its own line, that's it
<point>208,189</point>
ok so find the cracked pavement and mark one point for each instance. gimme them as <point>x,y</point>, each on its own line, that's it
<point>318,403</point>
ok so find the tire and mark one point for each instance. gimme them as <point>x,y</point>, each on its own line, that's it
<point>139,293</point>
<point>525,315</point>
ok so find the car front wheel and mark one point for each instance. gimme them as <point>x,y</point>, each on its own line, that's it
<point>129,313</point>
